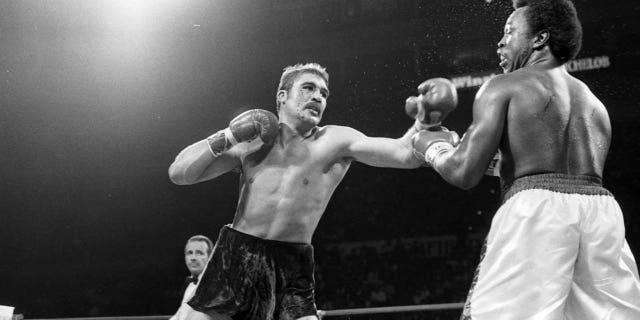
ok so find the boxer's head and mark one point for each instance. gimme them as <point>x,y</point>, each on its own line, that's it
<point>536,25</point>
<point>302,93</point>
<point>560,19</point>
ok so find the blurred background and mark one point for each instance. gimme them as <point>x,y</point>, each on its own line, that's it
<point>98,97</point>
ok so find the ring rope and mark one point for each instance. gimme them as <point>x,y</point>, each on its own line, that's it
<point>321,313</point>
<point>393,309</point>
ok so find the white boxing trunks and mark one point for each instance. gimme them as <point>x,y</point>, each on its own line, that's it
<point>556,250</point>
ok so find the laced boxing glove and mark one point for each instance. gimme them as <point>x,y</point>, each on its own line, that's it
<point>246,127</point>
<point>429,144</point>
<point>438,97</point>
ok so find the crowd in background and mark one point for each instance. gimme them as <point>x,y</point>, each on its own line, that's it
<point>408,272</point>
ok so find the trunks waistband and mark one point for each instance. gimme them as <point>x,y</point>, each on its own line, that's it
<point>556,182</point>
<point>228,231</point>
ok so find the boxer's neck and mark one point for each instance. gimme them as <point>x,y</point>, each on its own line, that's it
<point>288,133</point>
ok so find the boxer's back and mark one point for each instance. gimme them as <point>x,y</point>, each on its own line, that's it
<point>554,124</point>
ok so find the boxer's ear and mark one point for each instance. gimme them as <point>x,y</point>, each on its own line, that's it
<point>541,39</point>
<point>281,97</point>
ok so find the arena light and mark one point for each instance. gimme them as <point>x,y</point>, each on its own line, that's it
<point>130,15</point>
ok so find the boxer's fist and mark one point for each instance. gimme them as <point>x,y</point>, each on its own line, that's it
<point>428,144</point>
<point>438,97</point>
<point>246,127</point>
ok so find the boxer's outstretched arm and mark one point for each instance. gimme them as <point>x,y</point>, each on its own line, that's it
<point>465,165</point>
<point>380,151</point>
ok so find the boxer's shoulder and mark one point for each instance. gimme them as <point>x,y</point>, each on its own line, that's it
<point>338,132</point>
<point>519,82</point>
<point>337,137</point>
<point>497,87</point>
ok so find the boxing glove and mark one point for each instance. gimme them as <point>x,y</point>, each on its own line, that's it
<point>438,97</point>
<point>246,127</point>
<point>428,144</point>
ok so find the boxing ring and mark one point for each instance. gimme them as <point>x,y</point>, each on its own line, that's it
<point>322,314</point>
<point>393,309</point>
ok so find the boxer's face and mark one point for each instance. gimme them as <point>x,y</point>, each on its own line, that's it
<point>516,45</point>
<point>195,256</point>
<point>306,100</point>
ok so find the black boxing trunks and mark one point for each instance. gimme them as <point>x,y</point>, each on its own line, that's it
<point>252,278</point>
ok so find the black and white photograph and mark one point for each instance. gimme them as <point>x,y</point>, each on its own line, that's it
<point>319,160</point>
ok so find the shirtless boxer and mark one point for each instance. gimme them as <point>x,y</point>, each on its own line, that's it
<point>262,264</point>
<point>556,248</point>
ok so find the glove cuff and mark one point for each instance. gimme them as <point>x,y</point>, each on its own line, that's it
<point>435,150</point>
<point>419,126</point>
<point>220,142</point>
<point>229,136</point>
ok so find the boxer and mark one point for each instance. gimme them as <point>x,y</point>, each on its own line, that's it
<point>556,248</point>
<point>262,264</point>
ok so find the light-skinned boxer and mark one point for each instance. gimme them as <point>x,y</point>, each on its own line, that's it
<point>262,264</point>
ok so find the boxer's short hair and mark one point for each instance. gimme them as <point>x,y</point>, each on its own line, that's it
<point>560,19</point>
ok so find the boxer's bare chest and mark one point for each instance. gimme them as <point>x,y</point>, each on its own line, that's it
<point>298,162</point>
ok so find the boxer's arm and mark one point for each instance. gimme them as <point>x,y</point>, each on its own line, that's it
<point>223,151</point>
<point>380,151</point>
<point>465,165</point>
<point>196,163</point>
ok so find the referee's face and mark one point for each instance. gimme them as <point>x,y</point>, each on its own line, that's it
<point>195,256</point>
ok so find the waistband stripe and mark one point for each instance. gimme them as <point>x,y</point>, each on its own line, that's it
<point>556,182</point>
